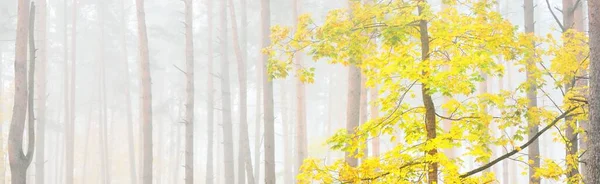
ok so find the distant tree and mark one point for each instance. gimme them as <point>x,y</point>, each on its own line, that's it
<point>226,99</point>
<point>41,92</point>
<point>189,106</point>
<point>146,100</point>
<point>269,126</point>
<point>210,96</point>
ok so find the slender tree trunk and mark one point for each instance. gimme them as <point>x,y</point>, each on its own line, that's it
<point>131,146</point>
<point>592,166</point>
<point>534,148</point>
<point>353,105</point>
<point>69,133</point>
<point>226,100</point>
<point>265,14</point>
<point>301,145</point>
<point>103,128</point>
<point>41,85</point>
<point>375,143</point>
<point>23,100</point>
<point>287,158</point>
<point>189,106</point>
<point>146,108</point>
<point>210,98</point>
<point>363,111</point>
<point>257,123</point>
<point>430,122</point>
<point>244,160</point>
<point>2,150</point>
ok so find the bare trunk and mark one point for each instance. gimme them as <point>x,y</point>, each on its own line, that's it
<point>189,106</point>
<point>374,93</point>
<point>23,100</point>
<point>265,14</point>
<point>103,128</point>
<point>257,135</point>
<point>146,100</point>
<point>353,108</point>
<point>131,145</point>
<point>534,149</point>
<point>41,95</point>
<point>592,166</point>
<point>287,158</point>
<point>70,133</point>
<point>301,145</point>
<point>2,150</point>
<point>363,112</point>
<point>226,101</point>
<point>244,160</point>
<point>210,98</point>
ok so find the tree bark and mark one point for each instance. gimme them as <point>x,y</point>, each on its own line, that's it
<point>66,75</point>
<point>301,145</point>
<point>244,160</point>
<point>226,100</point>
<point>592,162</point>
<point>146,108</point>
<point>70,133</point>
<point>430,122</point>
<point>210,97</point>
<point>23,100</point>
<point>265,14</point>
<point>353,105</point>
<point>534,149</point>
<point>287,158</point>
<point>375,143</point>
<point>41,95</point>
<point>103,128</point>
<point>133,178</point>
<point>189,107</point>
<point>363,112</point>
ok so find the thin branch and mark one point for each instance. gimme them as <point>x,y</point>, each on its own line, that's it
<point>555,17</point>
<point>179,69</point>
<point>507,155</point>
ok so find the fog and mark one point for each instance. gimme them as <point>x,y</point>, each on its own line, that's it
<point>89,90</point>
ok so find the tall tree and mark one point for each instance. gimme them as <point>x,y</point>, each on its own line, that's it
<point>66,72</point>
<point>23,100</point>
<point>226,100</point>
<point>146,108</point>
<point>301,145</point>
<point>244,160</point>
<point>131,145</point>
<point>592,164</point>
<point>353,105</point>
<point>269,129</point>
<point>210,97</point>
<point>534,148</point>
<point>287,158</point>
<point>70,127</point>
<point>103,123</point>
<point>189,106</point>
<point>41,93</point>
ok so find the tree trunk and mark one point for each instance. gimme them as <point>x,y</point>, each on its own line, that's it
<point>131,145</point>
<point>2,150</point>
<point>534,148</point>
<point>23,100</point>
<point>257,135</point>
<point>244,160</point>
<point>103,128</point>
<point>301,145</point>
<point>210,97</point>
<point>189,107</point>
<point>146,108</point>
<point>363,112</point>
<point>374,93</point>
<point>226,100</point>
<point>592,166</point>
<point>430,122</point>
<point>70,130</point>
<point>353,108</point>
<point>287,158</point>
<point>41,85</point>
<point>265,14</point>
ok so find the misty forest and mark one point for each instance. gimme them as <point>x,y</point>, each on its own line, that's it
<point>299,91</point>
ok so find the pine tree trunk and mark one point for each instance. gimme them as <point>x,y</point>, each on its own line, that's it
<point>592,162</point>
<point>210,98</point>
<point>265,14</point>
<point>70,133</point>
<point>189,106</point>
<point>226,100</point>
<point>146,111</point>
<point>133,179</point>
<point>23,100</point>
<point>244,160</point>
<point>41,95</point>
<point>534,148</point>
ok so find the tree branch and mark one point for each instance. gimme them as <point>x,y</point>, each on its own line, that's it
<point>531,140</point>
<point>555,18</point>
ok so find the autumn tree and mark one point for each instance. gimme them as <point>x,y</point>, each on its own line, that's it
<point>426,54</point>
